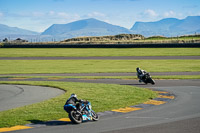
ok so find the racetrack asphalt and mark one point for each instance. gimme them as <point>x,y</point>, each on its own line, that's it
<point>181,115</point>
<point>12,96</point>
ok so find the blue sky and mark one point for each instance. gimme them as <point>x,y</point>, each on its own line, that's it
<point>37,15</point>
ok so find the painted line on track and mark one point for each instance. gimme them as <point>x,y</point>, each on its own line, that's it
<point>65,119</point>
<point>154,102</point>
<point>162,98</point>
<point>19,127</point>
<point>126,109</point>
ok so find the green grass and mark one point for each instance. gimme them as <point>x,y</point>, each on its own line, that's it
<point>103,97</point>
<point>177,77</point>
<point>85,52</point>
<point>96,66</point>
<point>108,77</point>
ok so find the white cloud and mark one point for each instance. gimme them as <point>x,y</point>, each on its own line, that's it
<point>170,14</point>
<point>52,17</point>
<point>147,15</point>
<point>150,13</point>
<point>96,14</point>
<point>51,13</point>
<point>63,15</point>
<point>38,14</point>
<point>1,15</point>
<point>39,21</point>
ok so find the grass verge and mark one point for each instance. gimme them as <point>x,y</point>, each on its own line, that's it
<point>81,52</point>
<point>96,66</point>
<point>108,77</point>
<point>102,96</point>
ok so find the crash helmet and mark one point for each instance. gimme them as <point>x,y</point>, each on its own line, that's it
<point>137,69</point>
<point>73,95</point>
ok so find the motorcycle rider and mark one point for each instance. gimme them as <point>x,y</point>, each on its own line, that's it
<point>75,101</point>
<point>80,112</point>
<point>140,73</point>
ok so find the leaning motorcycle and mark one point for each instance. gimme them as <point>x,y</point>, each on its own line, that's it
<point>85,113</point>
<point>147,79</point>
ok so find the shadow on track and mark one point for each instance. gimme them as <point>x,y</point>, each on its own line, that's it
<point>50,123</point>
<point>134,84</point>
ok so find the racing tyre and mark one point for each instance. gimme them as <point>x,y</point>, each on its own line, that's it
<point>152,82</point>
<point>75,117</point>
<point>95,117</point>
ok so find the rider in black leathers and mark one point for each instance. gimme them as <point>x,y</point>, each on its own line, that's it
<point>74,100</point>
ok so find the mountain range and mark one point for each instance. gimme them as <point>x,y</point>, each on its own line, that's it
<point>93,27</point>
<point>86,27</point>
<point>168,27</point>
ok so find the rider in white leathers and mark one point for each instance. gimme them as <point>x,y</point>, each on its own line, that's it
<point>140,73</point>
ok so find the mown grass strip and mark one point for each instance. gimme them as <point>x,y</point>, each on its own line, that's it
<point>85,52</point>
<point>103,97</point>
<point>96,66</point>
<point>105,77</point>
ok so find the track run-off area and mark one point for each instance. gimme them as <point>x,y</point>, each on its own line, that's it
<point>179,114</point>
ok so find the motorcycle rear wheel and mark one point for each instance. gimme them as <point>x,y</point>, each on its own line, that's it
<point>75,117</point>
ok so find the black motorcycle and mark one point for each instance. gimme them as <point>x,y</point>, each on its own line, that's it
<point>147,79</point>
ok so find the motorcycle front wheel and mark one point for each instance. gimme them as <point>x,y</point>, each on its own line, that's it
<point>152,82</point>
<point>95,117</point>
<point>75,117</point>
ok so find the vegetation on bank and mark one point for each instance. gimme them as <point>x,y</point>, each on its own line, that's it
<point>133,39</point>
<point>100,95</point>
<point>116,39</point>
<point>1,44</point>
<point>186,37</point>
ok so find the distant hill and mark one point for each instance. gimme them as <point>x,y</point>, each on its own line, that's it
<point>86,27</point>
<point>6,30</point>
<point>14,32</point>
<point>168,27</point>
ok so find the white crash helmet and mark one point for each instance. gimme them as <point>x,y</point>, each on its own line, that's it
<point>73,95</point>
